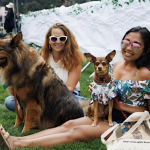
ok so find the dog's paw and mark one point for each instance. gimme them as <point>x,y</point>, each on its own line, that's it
<point>93,125</point>
<point>111,124</point>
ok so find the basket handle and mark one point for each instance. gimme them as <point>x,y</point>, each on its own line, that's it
<point>137,116</point>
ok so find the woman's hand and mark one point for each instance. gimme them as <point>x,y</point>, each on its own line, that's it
<point>90,88</point>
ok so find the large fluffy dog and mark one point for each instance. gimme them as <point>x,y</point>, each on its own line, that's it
<point>44,100</point>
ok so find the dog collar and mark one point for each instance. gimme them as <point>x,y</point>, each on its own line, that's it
<point>102,83</point>
<point>101,79</point>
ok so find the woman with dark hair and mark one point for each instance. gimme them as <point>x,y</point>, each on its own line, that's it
<point>9,19</point>
<point>142,61</point>
<point>130,84</point>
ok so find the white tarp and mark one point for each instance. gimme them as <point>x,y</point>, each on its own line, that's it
<point>97,26</point>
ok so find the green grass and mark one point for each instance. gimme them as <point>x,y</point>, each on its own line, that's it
<point>7,118</point>
<point>85,80</point>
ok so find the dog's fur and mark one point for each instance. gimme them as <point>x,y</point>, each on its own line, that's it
<point>101,75</point>
<point>45,101</point>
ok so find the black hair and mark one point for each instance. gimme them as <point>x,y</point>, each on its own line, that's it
<point>12,13</point>
<point>143,60</point>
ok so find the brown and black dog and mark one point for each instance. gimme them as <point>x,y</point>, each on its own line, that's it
<point>101,77</point>
<point>44,100</point>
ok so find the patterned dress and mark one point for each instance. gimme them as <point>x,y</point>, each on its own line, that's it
<point>99,93</point>
<point>129,91</point>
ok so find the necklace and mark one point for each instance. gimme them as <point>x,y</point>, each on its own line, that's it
<point>134,74</point>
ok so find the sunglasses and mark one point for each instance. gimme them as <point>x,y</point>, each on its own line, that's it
<point>61,38</point>
<point>135,46</point>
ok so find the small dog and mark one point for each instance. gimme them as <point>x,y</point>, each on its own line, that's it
<point>101,77</point>
<point>44,100</point>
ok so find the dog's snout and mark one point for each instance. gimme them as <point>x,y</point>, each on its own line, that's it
<point>99,68</point>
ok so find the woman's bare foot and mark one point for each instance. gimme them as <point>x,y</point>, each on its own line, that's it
<point>10,140</point>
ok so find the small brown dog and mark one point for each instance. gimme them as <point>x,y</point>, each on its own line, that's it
<point>101,77</point>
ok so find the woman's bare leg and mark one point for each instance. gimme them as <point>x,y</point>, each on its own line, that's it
<point>60,129</point>
<point>81,133</point>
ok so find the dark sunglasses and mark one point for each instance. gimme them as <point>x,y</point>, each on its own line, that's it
<point>61,38</point>
<point>135,46</point>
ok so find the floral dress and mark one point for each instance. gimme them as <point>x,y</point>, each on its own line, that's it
<point>129,91</point>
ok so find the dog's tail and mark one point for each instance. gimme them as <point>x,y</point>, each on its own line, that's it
<point>84,104</point>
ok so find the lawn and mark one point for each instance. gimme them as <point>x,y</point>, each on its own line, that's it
<point>7,118</point>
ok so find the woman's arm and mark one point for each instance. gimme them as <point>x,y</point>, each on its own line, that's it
<point>73,78</point>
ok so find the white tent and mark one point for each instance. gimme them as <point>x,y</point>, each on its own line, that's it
<point>97,26</point>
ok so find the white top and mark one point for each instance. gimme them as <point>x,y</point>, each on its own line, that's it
<point>62,73</point>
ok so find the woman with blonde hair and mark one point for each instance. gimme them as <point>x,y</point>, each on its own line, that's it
<point>61,52</point>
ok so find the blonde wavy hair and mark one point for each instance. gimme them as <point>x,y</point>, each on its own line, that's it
<point>71,56</point>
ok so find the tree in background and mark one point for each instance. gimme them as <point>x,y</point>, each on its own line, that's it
<point>33,6</point>
<point>5,2</point>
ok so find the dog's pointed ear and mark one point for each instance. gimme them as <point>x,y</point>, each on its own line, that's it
<point>111,55</point>
<point>16,41</point>
<point>90,57</point>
